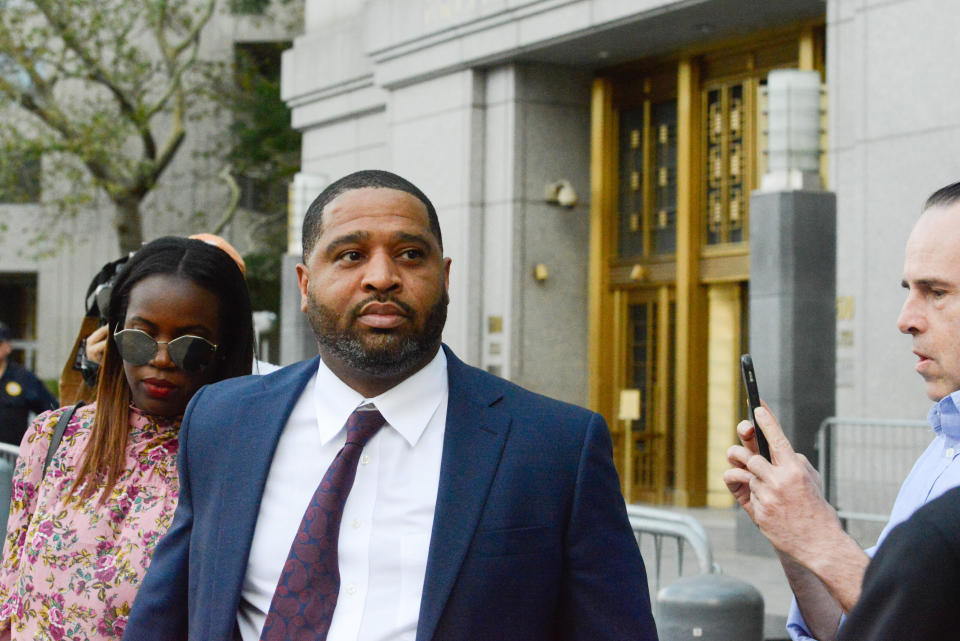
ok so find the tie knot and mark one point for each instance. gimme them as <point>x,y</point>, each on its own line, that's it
<point>363,424</point>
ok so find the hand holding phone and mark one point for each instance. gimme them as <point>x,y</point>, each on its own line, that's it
<point>753,402</point>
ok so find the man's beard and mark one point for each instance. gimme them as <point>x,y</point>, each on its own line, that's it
<point>389,353</point>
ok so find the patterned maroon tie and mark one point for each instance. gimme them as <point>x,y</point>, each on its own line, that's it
<point>306,594</point>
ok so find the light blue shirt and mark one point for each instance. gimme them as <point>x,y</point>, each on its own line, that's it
<point>936,471</point>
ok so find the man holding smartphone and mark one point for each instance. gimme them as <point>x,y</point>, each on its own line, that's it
<point>783,496</point>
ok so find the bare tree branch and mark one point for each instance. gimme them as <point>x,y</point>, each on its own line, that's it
<point>97,72</point>
<point>230,211</point>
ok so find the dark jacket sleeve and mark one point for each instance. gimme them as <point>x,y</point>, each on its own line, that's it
<point>160,610</point>
<point>911,585</point>
<point>604,593</point>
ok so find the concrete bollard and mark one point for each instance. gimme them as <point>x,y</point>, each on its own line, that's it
<point>710,607</point>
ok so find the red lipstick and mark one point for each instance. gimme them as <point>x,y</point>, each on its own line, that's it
<point>158,388</point>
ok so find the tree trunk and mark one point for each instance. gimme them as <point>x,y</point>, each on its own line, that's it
<point>126,221</point>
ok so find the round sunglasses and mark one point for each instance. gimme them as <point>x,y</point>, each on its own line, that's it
<point>189,353</point>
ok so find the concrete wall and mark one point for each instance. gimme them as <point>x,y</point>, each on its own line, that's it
<point>537,132</point>
<point>553,131</point>
<point>436,134</point>
<point>482,143</point>
<point>894,131</point>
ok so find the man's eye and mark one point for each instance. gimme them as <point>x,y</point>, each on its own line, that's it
<point>412,254</point>
<point>350,256</point>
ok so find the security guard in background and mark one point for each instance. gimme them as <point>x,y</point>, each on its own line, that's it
<point>20,393</point>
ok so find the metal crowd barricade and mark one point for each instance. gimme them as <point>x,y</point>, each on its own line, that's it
<point>8,460</point>
<point>863,461</point>
<point>652,525</point>
<point>9,453</point>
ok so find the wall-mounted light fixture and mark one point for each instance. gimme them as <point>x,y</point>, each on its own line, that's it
<point>561,192</point>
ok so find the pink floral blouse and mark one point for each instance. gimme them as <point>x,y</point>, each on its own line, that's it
<point>71,569</point>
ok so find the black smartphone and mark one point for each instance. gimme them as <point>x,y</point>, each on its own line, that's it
<point>753,402</point>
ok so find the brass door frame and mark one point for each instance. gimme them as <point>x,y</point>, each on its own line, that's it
<point>654,389</point>
<point>693,266</point>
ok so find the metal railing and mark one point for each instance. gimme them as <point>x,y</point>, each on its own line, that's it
<point>863,461</point>
<point>651,526</point>
<point>9,453</point>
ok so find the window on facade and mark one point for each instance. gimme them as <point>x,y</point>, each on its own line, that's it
<point>248,7</point>
<point>18,291</point>
<point>266,150</point>
<point>664,213</point>
<point>262,195</point>
<point>726,150</point>
<point>648,180</point>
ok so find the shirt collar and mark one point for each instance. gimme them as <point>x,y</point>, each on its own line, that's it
<point>944,416</point>
<point>407,407</point>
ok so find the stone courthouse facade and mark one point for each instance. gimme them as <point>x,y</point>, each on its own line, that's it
<point>592,162</point>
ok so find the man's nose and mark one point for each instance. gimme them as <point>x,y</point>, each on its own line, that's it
<point>381,273</point>
<point>911,319</point>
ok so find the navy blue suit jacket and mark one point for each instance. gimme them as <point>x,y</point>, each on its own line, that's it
<point>530,538</point>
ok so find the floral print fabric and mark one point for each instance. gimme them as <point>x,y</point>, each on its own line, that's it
<point>71,567</point>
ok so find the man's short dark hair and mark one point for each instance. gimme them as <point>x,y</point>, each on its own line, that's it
<point>377,178</point>
<point>943,197</point>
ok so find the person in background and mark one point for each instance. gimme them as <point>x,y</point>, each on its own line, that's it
<point>825,566</point>
<point>81,533</point>
<point>20,394</point>
<point>97,340</point>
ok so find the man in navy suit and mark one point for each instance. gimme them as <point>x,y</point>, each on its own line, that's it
<point>479,511</point>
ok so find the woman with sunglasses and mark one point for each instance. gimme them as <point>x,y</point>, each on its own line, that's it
<point>80,537</point>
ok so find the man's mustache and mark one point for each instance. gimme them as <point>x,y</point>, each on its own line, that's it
<point>358,308</point>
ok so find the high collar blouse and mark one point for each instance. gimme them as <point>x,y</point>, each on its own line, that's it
<point>72,567</point>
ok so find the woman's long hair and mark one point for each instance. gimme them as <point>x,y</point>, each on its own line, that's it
<point>206,266</point>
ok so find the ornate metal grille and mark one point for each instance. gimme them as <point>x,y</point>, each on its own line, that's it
<point>726,164</point>
<point>648,180</point>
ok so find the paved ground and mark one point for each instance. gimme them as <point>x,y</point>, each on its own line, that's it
<point>763,571</point>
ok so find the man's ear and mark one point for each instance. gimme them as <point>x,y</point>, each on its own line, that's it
<point>303,281</point>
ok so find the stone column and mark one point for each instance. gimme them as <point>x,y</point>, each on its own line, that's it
<point>792,317</point>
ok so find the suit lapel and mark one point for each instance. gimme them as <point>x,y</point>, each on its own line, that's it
<point>473,443</point>
<point>256,425</point>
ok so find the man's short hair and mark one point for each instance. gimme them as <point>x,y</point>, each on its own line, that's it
<point>377,178</point>
<point>4,333</point>
<point>943,197</point>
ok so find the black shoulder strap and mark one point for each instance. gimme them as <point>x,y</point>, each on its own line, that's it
<point>58,435</point>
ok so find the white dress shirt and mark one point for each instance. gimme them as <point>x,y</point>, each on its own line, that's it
<point>388,517</point>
